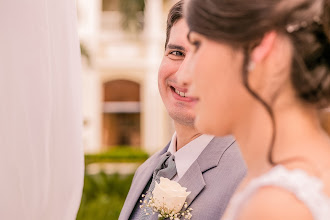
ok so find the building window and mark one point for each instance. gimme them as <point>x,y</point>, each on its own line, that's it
<point>110,5</point>
<point>121,114</point>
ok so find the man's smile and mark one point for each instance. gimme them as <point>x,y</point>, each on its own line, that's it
<point>180,93</point>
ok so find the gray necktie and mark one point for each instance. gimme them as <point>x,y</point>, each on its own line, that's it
<point>166,168</point>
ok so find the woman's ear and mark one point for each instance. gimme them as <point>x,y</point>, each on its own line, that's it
<point>261,51</point>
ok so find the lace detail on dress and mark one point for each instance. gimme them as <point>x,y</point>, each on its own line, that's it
<point>307,189</point>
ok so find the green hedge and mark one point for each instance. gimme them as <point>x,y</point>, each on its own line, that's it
<point>103,196</point>
<point>117,154</point>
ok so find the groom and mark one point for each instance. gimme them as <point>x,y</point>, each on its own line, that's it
<point>209,167</point>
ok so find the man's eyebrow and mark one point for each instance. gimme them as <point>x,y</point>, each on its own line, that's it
<point>176,47</point>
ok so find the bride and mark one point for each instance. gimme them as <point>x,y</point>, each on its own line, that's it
<point>261,70</point>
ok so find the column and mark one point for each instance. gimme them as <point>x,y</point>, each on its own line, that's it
<point>153,110</point>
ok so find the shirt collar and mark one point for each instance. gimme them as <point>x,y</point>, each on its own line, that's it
<point>188,153</point>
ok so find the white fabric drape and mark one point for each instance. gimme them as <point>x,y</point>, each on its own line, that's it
<point>41,156</point>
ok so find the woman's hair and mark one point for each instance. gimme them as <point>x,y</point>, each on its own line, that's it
<point>243,23</point>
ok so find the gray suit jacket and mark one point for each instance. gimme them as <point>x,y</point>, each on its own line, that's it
<point>212,179</point>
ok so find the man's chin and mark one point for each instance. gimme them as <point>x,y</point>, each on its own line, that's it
<point>183,119</point>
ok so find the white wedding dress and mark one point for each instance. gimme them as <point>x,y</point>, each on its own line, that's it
<point>306,188</point>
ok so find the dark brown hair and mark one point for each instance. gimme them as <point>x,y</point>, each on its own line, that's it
<point>243,23</point>
<point>175,14</point>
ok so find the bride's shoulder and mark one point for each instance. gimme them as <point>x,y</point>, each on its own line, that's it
<point>283,193</point>
<point>274,203</point>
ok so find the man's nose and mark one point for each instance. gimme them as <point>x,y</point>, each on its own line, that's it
<point>184,74</point>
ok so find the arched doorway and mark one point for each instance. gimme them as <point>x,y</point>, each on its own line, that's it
<point>121,113</point>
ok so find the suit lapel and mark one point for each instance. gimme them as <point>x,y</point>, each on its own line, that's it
<point>194,182</point>
<point>140,181</point>
<point>193,179</point>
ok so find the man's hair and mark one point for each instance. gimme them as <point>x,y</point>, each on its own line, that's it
<point>175,14</point>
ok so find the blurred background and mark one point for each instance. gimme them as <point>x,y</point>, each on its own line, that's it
<point>122,44</point>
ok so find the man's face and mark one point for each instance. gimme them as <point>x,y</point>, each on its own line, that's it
<point>179,106</point>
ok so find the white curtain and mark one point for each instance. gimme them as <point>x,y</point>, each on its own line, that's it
<point>41,155</point>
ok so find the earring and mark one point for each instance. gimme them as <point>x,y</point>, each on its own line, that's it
<point>251,66</point>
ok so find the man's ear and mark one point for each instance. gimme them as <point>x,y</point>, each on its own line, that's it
<point>261,51</point>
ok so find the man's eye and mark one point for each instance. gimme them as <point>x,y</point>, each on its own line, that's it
<point>176,53</point>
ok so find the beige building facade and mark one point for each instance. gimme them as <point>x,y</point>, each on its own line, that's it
<point>121,102</point>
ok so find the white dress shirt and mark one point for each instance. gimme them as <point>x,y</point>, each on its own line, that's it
<point>187,155</point>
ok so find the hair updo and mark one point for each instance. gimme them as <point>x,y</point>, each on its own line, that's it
<point>243,23</point>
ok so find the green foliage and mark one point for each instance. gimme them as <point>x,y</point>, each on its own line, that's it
<point>132,11</point>
<point>103,196</point>
<point>84,52</point>
<point>118,154</point>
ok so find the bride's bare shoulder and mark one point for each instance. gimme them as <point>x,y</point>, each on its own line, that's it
<point>274,203</point>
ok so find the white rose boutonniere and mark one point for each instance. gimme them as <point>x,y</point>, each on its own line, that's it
<point>167,199</point>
